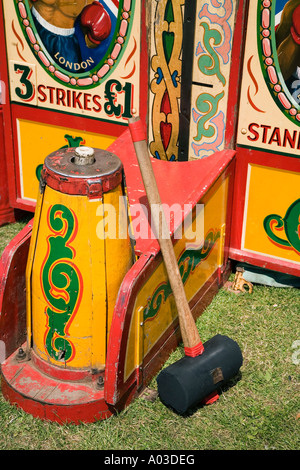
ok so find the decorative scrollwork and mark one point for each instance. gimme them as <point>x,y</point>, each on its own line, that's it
<point>188,262</point>
<point>166,64</point>
<point>61,282</point>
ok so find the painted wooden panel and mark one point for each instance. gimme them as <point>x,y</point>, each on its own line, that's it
<point>77,94</point>
<point>103,82</point>
<point>42,137</point>
<point>198,253</point>
<point>266,207</point>
<point>214,28</point>
<point>166,29</point>
<point>269,109</point>
<point>74,262</point>
<point>271,217</point>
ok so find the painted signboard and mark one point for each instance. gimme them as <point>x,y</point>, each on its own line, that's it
<point>270,88</point>
<point>268,139</point>
<point>53,64</point>
<point>74,76</point>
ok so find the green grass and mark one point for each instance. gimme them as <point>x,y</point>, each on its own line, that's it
<point>7,232</point>
<point>259,411</point>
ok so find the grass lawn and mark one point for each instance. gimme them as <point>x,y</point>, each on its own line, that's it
<point>260,410</point>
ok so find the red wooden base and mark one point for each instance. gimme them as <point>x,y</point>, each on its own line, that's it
<point>48,398</point>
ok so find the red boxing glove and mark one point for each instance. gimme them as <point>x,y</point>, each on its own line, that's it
<point>96,22</point>
<point>295,28</point>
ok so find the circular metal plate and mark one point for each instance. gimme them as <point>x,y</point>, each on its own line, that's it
<point>63,162</point>
<point>82,171</point>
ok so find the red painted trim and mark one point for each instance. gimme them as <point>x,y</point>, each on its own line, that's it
<point>92,411</point>
<point>228,228</point>
<point>267,159</point>
<point>76,414</point>
<point>60,373</point>
<point>12,290</point>
<point>115,386</point>
<point>144,65</point>
<point>195,350</point>
<point>236,70</point>
<point>214,396</point>
<point>137,131</point>
<point>80,123</point>
<point>265,261</point>
<point>7,214</point>
<point>47,398</point>
<point>7,120</point>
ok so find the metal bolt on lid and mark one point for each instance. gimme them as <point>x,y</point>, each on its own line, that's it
<point>84,156</point>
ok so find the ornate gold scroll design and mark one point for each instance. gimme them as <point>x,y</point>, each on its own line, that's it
<point>166,64</point>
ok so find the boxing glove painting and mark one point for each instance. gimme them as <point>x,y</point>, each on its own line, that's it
<point>288,39</point>
<point>73,31</point>
<point>96,23</point>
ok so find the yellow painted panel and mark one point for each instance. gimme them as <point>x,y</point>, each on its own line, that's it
<point>265,198</point>
<point>198,260</point>
<point>67,306</point>
<point>118,249</point>
<point>98,286</point>
<point>29,264</point>
<point>37,140</point>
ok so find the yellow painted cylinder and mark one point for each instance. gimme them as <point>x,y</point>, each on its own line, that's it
<point>81,251</point>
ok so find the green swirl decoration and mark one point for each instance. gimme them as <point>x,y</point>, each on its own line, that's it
<point>187,263</point>
<point>208,106</point>
<point>290,223</point>
<point>209,64</point>
<point>61,282</point>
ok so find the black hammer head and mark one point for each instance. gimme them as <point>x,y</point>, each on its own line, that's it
<point>187,382</point>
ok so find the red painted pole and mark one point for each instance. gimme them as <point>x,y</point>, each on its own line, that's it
<point>7,214</point>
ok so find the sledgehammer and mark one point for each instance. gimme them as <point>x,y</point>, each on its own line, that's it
<point>205,368</point>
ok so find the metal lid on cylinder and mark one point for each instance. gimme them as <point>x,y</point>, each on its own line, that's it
<point>82,171</point>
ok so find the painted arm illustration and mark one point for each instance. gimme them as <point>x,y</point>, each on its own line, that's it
<point>55,24</point>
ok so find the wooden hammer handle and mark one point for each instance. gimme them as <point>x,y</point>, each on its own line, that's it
<point>189,332</point>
